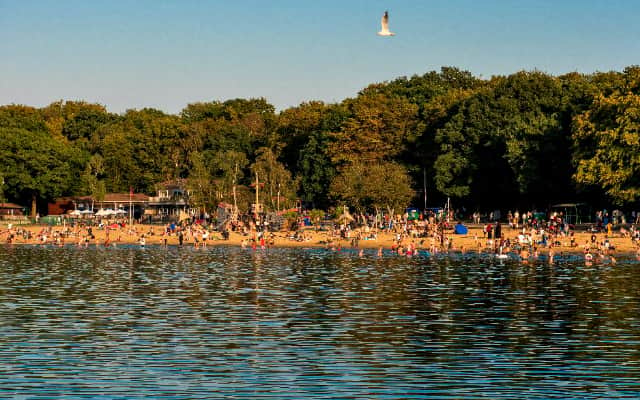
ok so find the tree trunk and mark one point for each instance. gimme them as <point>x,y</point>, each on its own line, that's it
<point>34,209</point>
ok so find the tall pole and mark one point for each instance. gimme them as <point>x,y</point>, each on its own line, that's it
<point>130,207</point>
<point>424,171</point>
<point>257,200</point>
<point>448,207</point>
<point>235,200</point>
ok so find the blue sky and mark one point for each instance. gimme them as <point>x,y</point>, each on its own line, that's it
<point>167,54</point>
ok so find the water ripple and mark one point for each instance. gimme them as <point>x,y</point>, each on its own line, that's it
<point>310,323</point>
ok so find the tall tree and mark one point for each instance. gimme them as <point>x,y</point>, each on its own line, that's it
<point>36,166</point>
<point>22,117</point>
<point>200,184</point>
<point>280,189</point>
<point>509,138</point>
<point>315,171</point>
<point>228,170</point>
<point>373,186</point>
<point>93,182</point>
<point>612,128</point>
<point>379,129</point>
<point>306,132</point>
<point>142,148</point>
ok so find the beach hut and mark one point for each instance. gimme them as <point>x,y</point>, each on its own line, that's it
<point>10,209</point>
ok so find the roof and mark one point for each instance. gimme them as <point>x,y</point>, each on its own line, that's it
<point>568,205</point>
<point>172,184</point>
<point>108,197</point>
<point>125,197</point>
<point>10,205</point>
<point>73,198</point>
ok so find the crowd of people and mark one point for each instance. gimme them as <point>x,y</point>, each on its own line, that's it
<point>523,235</point>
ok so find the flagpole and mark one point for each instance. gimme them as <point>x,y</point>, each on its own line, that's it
<point>424,173</point>
<point>130,209</point>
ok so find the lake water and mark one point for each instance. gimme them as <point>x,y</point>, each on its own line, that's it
<point>308,323</point>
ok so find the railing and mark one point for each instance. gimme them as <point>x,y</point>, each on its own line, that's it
<point>167,200</point>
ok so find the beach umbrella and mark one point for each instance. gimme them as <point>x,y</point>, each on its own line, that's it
<point>346,217</point>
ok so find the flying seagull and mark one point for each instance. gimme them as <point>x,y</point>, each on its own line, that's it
<point>384,30</point>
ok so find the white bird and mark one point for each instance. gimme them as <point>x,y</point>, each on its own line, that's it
<point>384,31</point>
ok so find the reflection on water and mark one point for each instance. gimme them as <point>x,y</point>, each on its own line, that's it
<point>307,323</point>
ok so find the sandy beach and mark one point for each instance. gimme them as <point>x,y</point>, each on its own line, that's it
<point>475,240</point>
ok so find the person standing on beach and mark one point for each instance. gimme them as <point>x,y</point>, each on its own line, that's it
<point>205,236</point>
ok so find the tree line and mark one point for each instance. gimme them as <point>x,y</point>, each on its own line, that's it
<point>528,139</point>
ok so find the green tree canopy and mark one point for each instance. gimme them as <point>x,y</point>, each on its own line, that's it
<point>530,137</point>
<point>280,189</point>
<point>37,167</point>
<point>378,129</point>
<point>373,186</point>
<point>612,128</point>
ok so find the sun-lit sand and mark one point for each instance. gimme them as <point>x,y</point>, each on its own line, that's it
<point>154,235</point>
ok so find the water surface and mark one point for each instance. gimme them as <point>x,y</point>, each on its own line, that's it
<point>308,323</point>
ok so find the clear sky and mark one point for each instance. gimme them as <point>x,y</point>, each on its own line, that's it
<point>167,54</point>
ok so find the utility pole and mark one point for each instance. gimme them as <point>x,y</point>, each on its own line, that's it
<point>257,199</point>
<point>235,199</point>
<point>424,173</point>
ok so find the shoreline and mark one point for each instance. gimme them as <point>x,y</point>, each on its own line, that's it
<point>473,242</point>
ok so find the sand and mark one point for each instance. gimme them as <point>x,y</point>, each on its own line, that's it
<point>154,235</point>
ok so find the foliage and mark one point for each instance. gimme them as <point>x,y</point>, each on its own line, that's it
<point>382,185</point>
<point>613,126</point>
<point>199,184</point>
<point>2,198</point>
<point>279,189</point>
<point>525,139</point>
<point>93,178</point>
<point>510,137</point>
<point>316,215</point>
<point>36,166</point>
<point>379,128</point>
<point>22,117</point>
